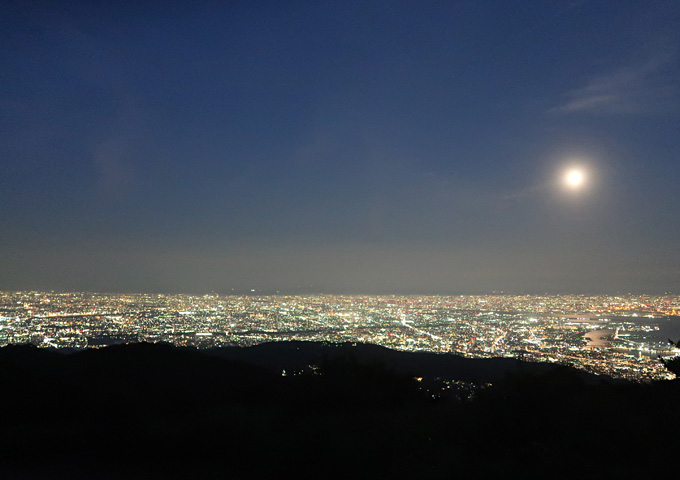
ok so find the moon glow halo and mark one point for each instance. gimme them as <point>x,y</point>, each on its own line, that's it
<point>574,178</point>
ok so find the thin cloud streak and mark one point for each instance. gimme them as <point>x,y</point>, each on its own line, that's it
<point>630,90</point>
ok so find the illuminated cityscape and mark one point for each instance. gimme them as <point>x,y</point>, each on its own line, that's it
<point>621,336</point>
<point>354,239</point>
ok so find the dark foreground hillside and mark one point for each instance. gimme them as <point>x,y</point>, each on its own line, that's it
<point>156,411</point>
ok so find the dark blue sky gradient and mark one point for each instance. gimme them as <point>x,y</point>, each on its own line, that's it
<point>350,147</point>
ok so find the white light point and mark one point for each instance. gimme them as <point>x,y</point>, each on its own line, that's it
<point>574,178</point>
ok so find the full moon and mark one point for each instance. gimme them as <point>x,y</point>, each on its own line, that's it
<point>574,178</point>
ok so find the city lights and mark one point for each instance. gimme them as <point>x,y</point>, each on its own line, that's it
<point>573,329</point>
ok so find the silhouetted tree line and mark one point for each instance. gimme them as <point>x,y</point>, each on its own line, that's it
<point>672,364</point>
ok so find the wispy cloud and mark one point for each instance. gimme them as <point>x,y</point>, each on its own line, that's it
<point>644,88</point>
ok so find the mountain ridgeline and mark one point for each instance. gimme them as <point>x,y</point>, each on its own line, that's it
<point>325,410</point>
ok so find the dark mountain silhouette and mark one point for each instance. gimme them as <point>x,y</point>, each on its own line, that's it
<point>158,411</point>
<point>296,356</point>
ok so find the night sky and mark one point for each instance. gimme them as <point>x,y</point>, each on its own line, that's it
<point>340,146</point>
